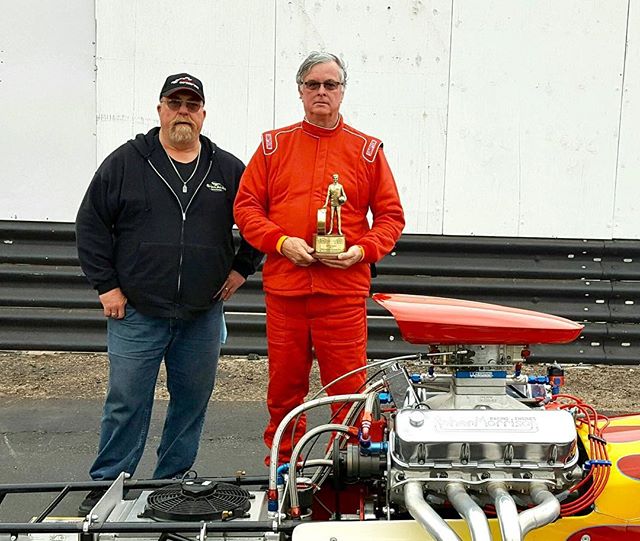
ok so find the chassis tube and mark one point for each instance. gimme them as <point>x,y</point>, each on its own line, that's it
<point>470,511</point>
<point>425,515</point>
<point>138,528</point>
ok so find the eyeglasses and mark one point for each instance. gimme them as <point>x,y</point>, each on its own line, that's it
<point>328,85</point>
<point>175,105</point>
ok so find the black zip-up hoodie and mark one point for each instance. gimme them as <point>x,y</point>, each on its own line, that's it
<point>169,258</point>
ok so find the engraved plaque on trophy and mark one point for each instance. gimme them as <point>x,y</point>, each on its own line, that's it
<point>329,242</point>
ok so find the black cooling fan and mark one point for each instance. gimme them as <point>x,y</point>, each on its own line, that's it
<point>198,499</point>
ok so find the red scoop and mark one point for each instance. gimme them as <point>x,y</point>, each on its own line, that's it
<point>438,320</point>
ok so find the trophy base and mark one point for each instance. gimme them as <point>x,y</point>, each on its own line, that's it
<point>329,246</point>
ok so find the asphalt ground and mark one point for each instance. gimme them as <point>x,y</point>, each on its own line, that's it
<point>55,440</point>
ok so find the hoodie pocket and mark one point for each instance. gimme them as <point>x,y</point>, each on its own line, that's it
<point>156,268</point>
<point>204,269</point>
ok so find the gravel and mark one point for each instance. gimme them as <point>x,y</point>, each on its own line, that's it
<point>42,375</point>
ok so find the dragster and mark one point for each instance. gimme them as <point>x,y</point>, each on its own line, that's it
<point>454,443</point>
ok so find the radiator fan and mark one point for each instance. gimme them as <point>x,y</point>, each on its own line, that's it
<point>198,499</point>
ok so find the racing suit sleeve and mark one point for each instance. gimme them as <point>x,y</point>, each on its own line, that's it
<point>251,205</point>
<point>386,209</point>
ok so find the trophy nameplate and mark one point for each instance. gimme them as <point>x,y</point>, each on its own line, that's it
<point>327,244</point>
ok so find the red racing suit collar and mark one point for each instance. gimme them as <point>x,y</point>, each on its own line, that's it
<point>319,131</point>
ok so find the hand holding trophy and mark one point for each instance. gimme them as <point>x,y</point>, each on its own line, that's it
<point>327,244</point>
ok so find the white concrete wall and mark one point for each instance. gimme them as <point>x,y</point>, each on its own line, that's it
<point>500,117</point>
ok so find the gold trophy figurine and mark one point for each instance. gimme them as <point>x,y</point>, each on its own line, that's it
<point>328,244</point>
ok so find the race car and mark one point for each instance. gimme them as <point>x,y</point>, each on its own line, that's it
<point>457,442</point>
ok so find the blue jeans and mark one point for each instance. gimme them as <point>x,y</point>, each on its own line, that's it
<point>137,345</point>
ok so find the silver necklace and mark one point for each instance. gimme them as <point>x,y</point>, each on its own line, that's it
<point>184,182</point>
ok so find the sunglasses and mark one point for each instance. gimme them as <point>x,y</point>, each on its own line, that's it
<point>328,85</point>
<point>175,105</point>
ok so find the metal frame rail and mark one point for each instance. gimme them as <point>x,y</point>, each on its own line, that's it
<point>46,303</point>
<point>86,529</point>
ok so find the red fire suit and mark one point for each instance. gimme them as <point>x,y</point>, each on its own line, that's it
<point>317,306</point>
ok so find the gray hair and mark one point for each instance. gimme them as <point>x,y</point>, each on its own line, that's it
<point>316,58</point>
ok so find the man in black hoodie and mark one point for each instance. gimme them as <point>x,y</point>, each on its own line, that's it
<point>154,235</point>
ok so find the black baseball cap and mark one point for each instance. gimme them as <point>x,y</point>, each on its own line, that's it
<point>182,81</point>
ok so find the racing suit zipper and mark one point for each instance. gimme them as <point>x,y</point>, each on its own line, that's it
<point>183,211</point>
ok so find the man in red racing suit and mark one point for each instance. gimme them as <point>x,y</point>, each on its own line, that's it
<point>316,305</point>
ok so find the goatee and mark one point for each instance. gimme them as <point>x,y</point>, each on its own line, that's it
<point>182,133</point>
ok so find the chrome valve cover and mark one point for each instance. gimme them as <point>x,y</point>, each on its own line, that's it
<point>423,439</point>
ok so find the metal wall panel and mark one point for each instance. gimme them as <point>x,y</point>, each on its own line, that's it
<point>498,118</point>
<point>228,44</point>
<point>626,219</point>
<point>533,118</point>
<point>47,92</point>
<point>506,117</point>
<point>46,303</point>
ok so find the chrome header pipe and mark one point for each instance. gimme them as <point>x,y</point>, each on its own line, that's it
<point>425,515</point>
<point>547,510</point>
<point>470,511</point>
<point>507,512</point>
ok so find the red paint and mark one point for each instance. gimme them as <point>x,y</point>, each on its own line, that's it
<point>438,320</point>
<point>607,533</point>
<point>622,434</point>
<point>630,466</point>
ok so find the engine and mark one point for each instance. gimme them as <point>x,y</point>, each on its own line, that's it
<point>502,449</point>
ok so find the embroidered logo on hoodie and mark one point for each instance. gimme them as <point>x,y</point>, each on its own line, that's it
<point>216,187</point>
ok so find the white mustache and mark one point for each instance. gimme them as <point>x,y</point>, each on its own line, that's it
<point>182,121</point>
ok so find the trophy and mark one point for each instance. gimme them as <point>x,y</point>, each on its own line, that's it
<point>327,243</point>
